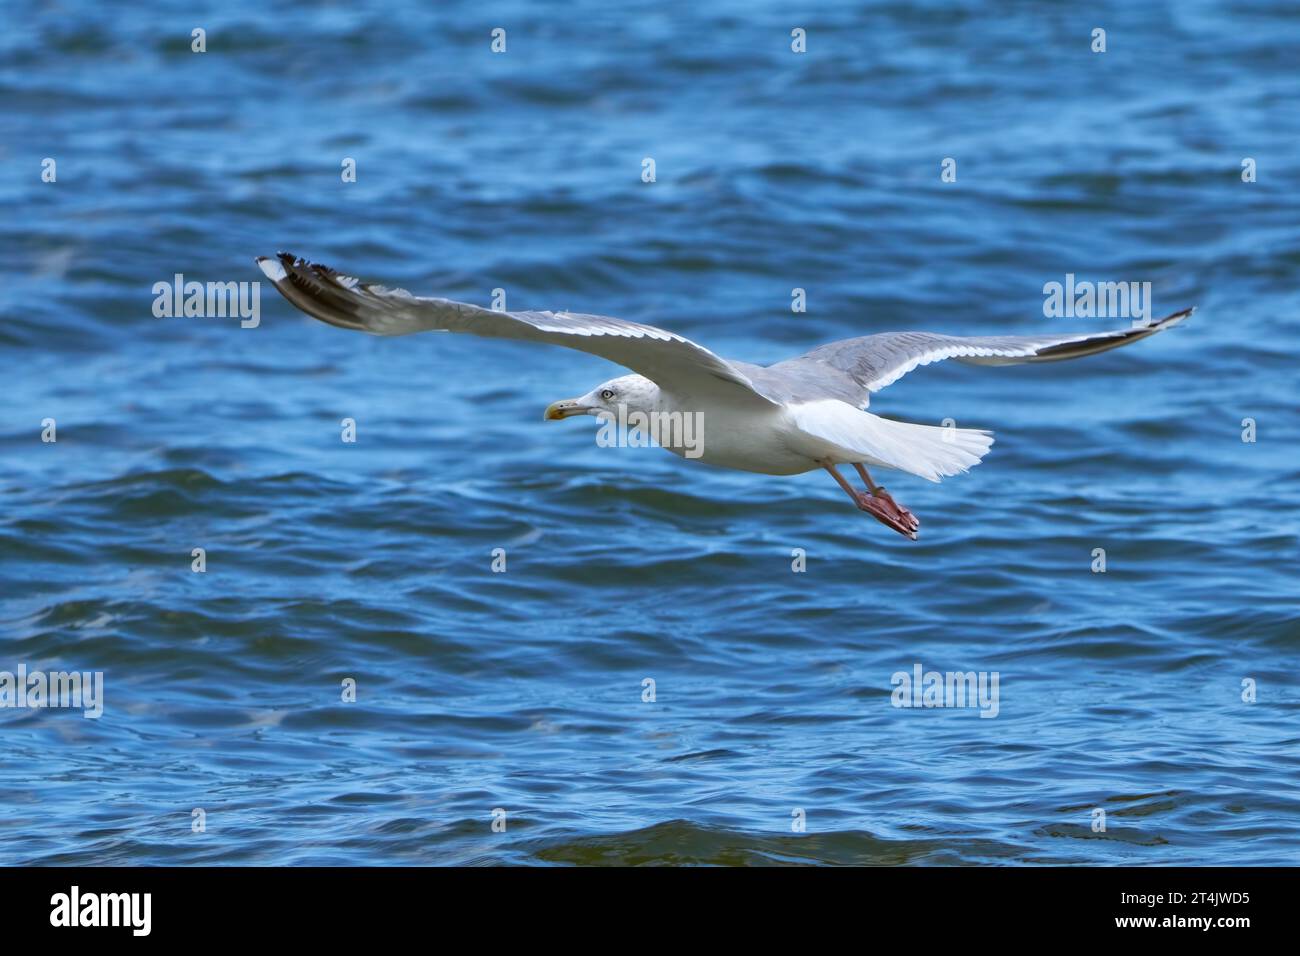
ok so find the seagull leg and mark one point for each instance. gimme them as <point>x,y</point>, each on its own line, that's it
<point>878,504</point>
<point>903,521</point>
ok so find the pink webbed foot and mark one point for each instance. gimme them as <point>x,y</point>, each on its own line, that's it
<point>889,512</point>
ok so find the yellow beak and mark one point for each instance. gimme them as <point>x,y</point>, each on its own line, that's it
<point>565,409</point>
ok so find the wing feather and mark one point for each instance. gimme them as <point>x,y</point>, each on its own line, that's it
<point>876,361</point>
<point>670,360</point>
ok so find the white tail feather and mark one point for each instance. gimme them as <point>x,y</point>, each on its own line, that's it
<point>930,451</point>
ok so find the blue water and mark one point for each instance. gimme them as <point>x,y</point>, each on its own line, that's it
<point>522,691</point>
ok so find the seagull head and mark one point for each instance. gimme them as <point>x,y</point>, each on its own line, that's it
<point>633,392</point>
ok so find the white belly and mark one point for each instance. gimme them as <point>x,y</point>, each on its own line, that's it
<point>747,438</point>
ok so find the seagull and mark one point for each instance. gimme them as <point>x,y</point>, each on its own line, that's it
<point>800,415</point>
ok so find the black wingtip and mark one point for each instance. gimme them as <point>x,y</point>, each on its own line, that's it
<point>314,289</point>
<point>1173,318</point>
<point>1176,316</point>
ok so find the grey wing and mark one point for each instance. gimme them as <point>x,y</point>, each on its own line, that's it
<point>875,361</point>
<point>668,359</point>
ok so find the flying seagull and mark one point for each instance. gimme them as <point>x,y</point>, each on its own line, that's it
<point>795,416</point>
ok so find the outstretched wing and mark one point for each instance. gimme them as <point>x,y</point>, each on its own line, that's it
<point>671,361</point>
<point>875,361</point>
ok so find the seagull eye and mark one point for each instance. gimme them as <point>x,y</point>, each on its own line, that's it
<point>607,394</point>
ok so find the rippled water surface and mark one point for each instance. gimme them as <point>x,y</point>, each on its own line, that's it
<point>1119,691</point>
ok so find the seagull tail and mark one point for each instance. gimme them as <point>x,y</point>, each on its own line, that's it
<point>929,451</point>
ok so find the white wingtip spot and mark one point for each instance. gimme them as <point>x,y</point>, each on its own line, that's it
<point>272,268</point>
